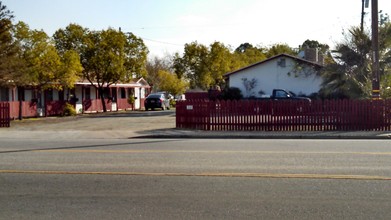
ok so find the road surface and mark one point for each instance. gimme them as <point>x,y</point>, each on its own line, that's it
<point>195,179</point>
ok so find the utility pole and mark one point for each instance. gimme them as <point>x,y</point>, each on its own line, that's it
<point>375,49</point>
<point>363,14</point>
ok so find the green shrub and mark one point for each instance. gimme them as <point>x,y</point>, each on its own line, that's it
<point>131,100</point>
<point>172,103</point>
<point>69,110</point>
<point>231,93</point>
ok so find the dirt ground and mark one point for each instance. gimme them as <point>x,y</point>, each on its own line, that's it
<point>111,124</point>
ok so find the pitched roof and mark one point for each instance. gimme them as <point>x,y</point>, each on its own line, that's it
<point>132,83</point>
<point>298,59</point>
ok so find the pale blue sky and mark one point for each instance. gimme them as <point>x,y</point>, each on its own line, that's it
<point>166,25</point>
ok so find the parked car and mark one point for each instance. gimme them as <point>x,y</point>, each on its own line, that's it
<point>157,100</point>
<point>281,94</point>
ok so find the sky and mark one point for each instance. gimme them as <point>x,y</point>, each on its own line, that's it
<point>167,25</point>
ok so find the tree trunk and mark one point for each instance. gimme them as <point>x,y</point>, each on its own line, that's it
<point>101,95</point>
<point>20,95</point>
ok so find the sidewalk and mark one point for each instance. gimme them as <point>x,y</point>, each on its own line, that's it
<point>172,133</point>
<point>177,133</point>
<point>153,124</point>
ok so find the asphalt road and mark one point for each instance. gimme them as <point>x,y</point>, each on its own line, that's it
<point>194,179</point>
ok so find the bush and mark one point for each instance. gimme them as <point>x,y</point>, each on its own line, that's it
<point>172,103</point>
<point>69,110</point>
<point>231,93</point>
<point>131,100</point>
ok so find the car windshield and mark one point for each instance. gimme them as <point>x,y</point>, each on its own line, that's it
<point>154,96</point>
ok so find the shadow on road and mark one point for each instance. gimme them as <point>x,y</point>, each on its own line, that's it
<point>86,146</point>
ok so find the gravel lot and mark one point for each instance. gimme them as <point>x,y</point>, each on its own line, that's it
<point>132,124</point>
<point>101,125</point>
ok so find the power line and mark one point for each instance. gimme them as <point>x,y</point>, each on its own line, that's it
<point>156,41</point>
<point>162,42</point>
<point>185,26</point>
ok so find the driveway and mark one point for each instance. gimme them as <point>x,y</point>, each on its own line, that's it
<point>102,125</point>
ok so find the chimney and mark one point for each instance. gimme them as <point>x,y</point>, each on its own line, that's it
<point>314,55</point>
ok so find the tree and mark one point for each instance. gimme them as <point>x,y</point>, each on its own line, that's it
<point>277,49</point>
<point>70,69</point>
<point>171,83</point>
<point>243,47</point>
<point>194,65</point>
<point>44,68</point>
<point>9,61</point>
<point>179,66</point>
<point>351,70</point>
<point>219,62</point>
<point>247,54</point>
<point>249,85</point>
<point>70,38</point>
<point>136,55</point>
<point>385,55</point>
<point>204,67</point>
<point>316,45</point>
<point>350,75</point>
<point>153,66</point>
<point>107,56</point>
<point>104,60</point>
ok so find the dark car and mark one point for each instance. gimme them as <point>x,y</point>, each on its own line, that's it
<point>157,100</point>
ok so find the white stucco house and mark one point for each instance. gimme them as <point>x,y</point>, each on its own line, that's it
<point>283,71</point>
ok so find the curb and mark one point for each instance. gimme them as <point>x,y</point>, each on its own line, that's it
<point>275,135</point>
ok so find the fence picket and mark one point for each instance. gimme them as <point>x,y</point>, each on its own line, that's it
<point>267,115</point>
<point>5,119</point>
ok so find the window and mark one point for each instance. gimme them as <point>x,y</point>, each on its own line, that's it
<point>49,95</point>
<point>123,93</point>
<point>4,94</point>
<point>106,92</point>
<point>131,92</point>
<point>281,94</point>
<point>281,62</point>
<point>61,95</point>
<point>114,94</point>
<point>21,95</point>
<point>87,93</point>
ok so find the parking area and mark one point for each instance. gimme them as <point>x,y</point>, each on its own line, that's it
<point>149,124</point>
<point>124,124</point>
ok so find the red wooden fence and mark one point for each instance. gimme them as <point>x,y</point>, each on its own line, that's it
<point>266,115</point>
<point>5,115</point>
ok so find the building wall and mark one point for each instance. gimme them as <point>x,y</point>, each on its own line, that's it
<point>274,75</point>
<point>7,94</point>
